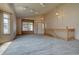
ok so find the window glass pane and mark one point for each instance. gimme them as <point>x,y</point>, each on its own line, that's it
<point>30,27</point>
<point>6,28</point>
<point>6,24</point>
<point>27,26</point>
<point>5,20</point>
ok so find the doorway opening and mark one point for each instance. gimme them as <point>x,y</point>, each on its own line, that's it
<point>27,26</point>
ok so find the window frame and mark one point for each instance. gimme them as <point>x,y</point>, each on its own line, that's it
<point>8,18</point>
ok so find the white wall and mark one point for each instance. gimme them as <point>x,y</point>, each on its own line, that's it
<point>68,16</point>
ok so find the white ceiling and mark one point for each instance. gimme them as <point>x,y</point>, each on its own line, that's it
<point>32,9</point>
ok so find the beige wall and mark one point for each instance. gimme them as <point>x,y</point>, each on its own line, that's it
<point>18,27</point>
<point>68,16</point>
<point>4,38</point>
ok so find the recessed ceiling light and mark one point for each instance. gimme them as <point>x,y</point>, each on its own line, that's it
<point>57,14</point>
<point>22,8</point>
<point>42,4</point>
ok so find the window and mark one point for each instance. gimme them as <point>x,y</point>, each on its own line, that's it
<point>6,24</point>
<point>27,26</point>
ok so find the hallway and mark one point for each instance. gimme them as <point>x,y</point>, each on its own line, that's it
<point>42,45</point>
<point>23,28</point>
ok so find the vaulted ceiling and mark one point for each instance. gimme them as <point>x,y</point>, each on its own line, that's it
<point>32,9</point>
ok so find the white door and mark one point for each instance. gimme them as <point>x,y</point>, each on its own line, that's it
<point>40,28</point>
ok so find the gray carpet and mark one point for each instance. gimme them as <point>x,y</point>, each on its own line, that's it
<point>42,45</point>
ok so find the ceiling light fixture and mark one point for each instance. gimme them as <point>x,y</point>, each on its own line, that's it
<point>42,4</point>
<point>22,8</point>
<point>57,13</point>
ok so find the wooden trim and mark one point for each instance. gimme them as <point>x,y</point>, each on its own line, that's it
<point>67,30</point>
